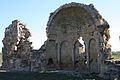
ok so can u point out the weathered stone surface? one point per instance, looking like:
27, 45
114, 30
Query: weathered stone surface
77, 39
66, 26
38, 59
17, 47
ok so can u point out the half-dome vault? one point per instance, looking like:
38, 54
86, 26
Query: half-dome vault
65, 27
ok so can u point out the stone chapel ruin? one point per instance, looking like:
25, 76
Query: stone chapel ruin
65, 27
77, 39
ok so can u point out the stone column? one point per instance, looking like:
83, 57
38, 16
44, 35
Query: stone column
73, 55
87, 53
58, 54
86, 42
101, 48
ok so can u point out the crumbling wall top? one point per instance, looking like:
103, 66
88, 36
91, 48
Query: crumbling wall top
89, 8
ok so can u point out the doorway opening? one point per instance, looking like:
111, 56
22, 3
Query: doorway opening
82, 43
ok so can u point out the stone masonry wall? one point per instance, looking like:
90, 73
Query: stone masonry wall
16, 47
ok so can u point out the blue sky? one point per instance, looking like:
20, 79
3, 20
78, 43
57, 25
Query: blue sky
35, 14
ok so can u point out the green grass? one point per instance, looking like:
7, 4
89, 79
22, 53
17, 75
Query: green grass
43, 76
35, 76
116, 56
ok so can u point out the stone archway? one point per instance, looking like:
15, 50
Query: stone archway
80, 57
68, 23
52, 50
93, 55
79, 48
65, 56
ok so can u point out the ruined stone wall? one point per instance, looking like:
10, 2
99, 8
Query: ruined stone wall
16, 46
65, 27
38, 59
18, 54
77, 38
